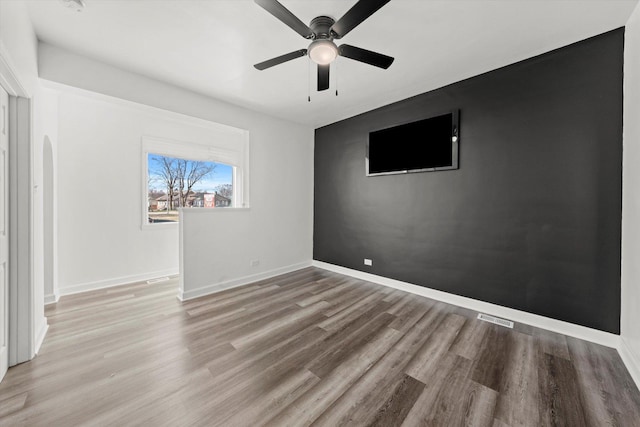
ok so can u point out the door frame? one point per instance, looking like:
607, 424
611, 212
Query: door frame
22, 346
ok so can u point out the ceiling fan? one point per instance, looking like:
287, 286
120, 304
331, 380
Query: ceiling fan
323, 30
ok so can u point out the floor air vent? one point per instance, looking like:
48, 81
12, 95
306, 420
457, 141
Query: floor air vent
496, 320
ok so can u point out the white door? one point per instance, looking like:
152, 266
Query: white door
4, 241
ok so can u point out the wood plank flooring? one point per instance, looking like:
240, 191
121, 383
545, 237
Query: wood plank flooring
310, 347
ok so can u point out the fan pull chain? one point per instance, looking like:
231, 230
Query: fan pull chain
309, 81
335, 72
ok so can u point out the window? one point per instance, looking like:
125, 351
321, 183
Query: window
173, 183
186, 175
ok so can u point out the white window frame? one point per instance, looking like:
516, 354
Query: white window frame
231, 149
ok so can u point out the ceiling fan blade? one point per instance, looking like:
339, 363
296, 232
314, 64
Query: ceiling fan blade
323, 77
285, 15
354, 16
366, 56
280, 59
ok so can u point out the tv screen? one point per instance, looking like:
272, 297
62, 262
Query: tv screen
429, 144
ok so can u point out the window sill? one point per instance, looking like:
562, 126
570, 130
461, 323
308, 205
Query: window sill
189, 211
212, 210
160, 226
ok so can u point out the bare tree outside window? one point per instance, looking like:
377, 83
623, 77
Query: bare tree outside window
165, 172
225, 189
190, 173
182, 183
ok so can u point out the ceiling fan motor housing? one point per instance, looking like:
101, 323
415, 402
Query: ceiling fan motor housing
321, 27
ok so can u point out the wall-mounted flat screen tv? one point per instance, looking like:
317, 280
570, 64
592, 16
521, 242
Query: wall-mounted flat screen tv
425, 145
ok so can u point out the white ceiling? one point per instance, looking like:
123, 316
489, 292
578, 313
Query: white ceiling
210, 46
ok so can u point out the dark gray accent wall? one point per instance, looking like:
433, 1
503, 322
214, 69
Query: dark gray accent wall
532, 218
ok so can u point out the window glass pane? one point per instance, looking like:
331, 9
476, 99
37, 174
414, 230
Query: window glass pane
175, 182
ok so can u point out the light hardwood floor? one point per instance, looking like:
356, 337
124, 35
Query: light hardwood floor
307, 348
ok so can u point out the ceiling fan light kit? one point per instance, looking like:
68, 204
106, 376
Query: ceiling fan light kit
323, 52
323, 30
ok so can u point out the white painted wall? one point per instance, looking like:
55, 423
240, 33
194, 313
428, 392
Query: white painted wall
99, 165
630, 315
101, 241
222, 248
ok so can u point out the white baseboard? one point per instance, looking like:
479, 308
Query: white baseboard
51, 298
566, 328
107, 283
234, 283
40, 337
631, 360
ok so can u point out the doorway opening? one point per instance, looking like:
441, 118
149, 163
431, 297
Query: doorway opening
48, 218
